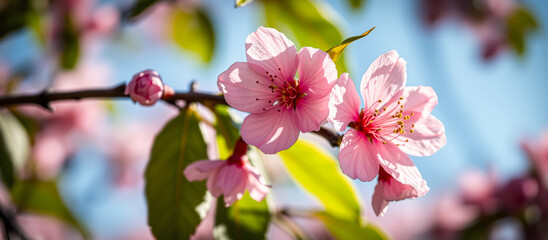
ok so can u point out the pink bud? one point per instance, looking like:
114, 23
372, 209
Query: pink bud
146, 87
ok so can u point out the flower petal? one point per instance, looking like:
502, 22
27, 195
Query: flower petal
310, 113
256, 186
379, 204
427, 138
202, 169
401, 168
269, 50
271, 131
419, 99
396, 191
385, 77
344, 103
317, 72
357, 156
244, 89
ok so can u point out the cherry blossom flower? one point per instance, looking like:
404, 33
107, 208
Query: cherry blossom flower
146, 88
538, 155
231, 177
389, 189
395, 121
266, 86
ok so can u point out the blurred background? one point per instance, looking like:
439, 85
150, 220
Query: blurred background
486, 60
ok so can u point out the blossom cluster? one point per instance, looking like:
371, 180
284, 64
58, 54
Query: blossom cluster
287, 92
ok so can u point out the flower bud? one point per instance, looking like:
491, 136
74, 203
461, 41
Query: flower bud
146, 87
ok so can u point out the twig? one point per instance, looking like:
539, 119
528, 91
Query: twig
44, 99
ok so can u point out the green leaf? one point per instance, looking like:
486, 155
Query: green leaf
310, 22
245, 219
344, 229
317, 172
227, 131
193, 31
14, 147
13, 15
140, 6
356, 4
171, 198
241, 3
70, 44
43, 197
336, 52
518, 24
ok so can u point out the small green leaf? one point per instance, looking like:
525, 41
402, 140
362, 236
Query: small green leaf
14, 147
518, 24
245, 219
336, 52
310, 22
193, 31
140, 6
317, 172
344, 229
70, 44
241, 3
356, 4
227, 131
172, 200
43, 197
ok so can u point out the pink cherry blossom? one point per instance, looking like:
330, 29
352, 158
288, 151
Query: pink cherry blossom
146, 87
231, 177
395, 121
266, 86
537, 152
389, 189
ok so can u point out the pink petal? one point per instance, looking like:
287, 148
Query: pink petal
229, 177
344, 103
385, 77
271, 131
256, 186
396, 191
419, 99
310, 113
401, 168
379, 204
357, 156
427, 138
269, 50
241, 90
317, 72
202, 169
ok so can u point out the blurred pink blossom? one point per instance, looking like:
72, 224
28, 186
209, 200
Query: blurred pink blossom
478, 189
537, 151
231, 178
266, 86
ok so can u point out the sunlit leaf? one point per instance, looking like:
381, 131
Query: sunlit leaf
519, 23
241, 3
42, 197
336, 52
14, 147
171, 198
309, 22
344, 229
193, 31
245, 219
140, 6
317, 172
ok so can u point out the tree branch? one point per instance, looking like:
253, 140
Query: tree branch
44, 99
11, 226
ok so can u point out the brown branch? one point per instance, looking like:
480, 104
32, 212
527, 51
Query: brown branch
44, 99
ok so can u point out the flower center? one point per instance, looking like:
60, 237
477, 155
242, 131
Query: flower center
385, 123
286, 93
